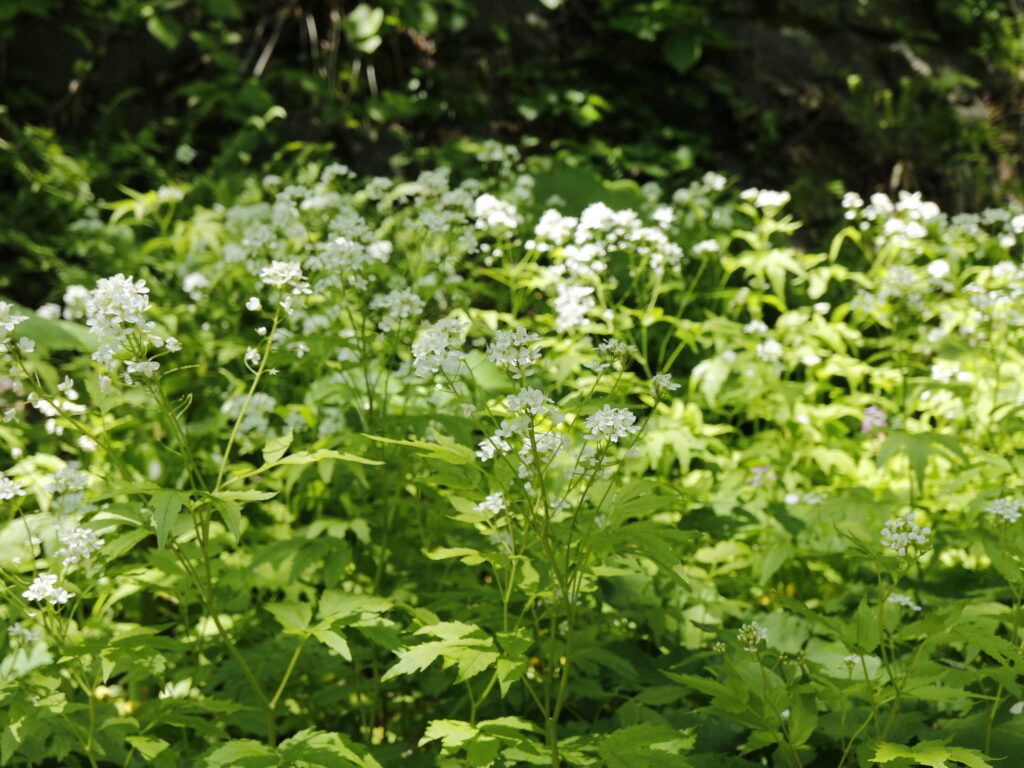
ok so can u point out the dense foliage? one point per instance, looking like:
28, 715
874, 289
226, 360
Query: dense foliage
338, 433
343, 471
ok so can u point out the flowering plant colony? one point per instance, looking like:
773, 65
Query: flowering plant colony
363, 472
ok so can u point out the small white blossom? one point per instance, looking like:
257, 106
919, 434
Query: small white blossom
79, 544
902, 532
44, 588
611, 423
253, 304
905, 600
494, 504
1007, 509
437, 348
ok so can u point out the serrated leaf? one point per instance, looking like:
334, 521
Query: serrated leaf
166, 506
240, 753
294, 617
934, 754
451, 733
334, 641
277, 447
148, 746
645, 746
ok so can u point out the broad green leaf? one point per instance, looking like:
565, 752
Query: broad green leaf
294, 617
277, 447
319, 749
148, 746
645, 746
451, 733
240, 753
682, 50
934, 754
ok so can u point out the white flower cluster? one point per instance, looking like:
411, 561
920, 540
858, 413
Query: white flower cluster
9, 320
765, 199
751, 636
439, 348
79, 544
493, 504
611, 424
661, 383
493, 214
9, 488
44, 588
68, 486
905, 600
901, 533
398, 305
116, 311
1006, 509
513, 351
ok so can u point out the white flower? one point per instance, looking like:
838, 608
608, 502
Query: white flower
611, 423
49, 311
26, 345
16, 630
661, 383
398, 305
79, 544
751, 635
572, 303
494, 503
285, 274
44, 587
1007, 509
769, 350
901, 532
252, 357
511, 350
146, 368
9, 319
706, 246
117, 305
938, 269
9, 489
492, 213
194, 283
905, 600
253, 304
437, 349
184, 154
528, 399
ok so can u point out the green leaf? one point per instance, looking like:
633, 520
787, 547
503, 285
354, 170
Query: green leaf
148, 746
319, 749
451, 733
166, 29
334, 641
229, 503
294, 617
463, 645
445, 449
933, 754
277, 447
336, 605
241, 753
803, 718
645, 746
166, 506
681, 50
